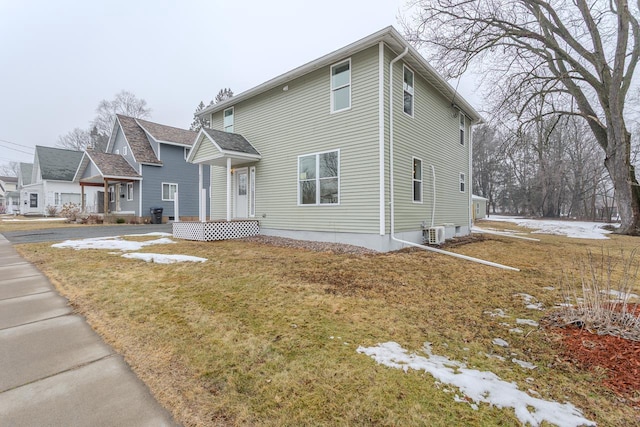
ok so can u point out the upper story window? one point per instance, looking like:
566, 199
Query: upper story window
187, 150
228, 120
417, 180
407, 86
319, 178
462, 182
462, 128
341, 86
125, 151
169, 191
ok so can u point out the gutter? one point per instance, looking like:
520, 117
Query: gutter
391, 190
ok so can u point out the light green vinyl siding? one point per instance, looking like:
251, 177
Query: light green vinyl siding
205, 151
283, 125
433, 135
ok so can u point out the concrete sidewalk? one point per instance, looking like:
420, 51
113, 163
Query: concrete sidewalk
54, 370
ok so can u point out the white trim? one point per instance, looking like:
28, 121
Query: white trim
252, 192
381, 134
187, 151
317, 179
228, 188
413, 180
413, 90
236, 173
333, 89
162, 190
233, 114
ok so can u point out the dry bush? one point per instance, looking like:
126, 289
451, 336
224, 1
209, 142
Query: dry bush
70, 211
52, 210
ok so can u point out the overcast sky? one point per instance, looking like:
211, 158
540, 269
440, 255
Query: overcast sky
59, 59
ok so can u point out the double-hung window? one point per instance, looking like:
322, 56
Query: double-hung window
408, 89
341, 86
129, 190
462, 128
169, 191
462, 182
417, 180
319, 178
228, 120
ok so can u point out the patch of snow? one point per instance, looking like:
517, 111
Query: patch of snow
163, 258
500, 342
506, 325
523, 364
516, 331
528, 322
498, 312
154, 233
530, 301
35, 220
573, 229
479, 386
549, 288
111, 243
621, 296
495, 356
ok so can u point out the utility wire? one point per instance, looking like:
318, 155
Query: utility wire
14, 143
15, 149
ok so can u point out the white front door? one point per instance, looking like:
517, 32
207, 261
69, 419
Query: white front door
242, 192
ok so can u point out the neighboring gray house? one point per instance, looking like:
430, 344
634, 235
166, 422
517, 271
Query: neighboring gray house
145, 167
320, 152
52, 180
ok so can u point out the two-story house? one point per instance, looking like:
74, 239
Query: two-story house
145, 167
367, 145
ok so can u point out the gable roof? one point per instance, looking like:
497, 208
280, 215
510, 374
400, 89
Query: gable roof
230, 141
164, 133
26, 170
9, 179
393, 39
58, 164
137, 139
112, 165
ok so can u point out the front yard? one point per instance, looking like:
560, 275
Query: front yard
267, 335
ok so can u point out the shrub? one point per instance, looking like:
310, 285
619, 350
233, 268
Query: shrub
52, 210
70, 211
601, 278
120, 221
94, 219
3, 209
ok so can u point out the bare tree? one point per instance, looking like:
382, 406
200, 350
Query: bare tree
199, 122
223, 95
573, 52
78, 139
124, 103
10, 169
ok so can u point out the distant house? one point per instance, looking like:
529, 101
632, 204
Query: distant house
51, 180
367, 145
479, 206
9, 196
145, 167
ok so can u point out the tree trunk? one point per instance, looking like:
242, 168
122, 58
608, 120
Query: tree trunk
625, 184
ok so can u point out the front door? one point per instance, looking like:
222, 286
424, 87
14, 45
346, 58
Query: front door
242, 187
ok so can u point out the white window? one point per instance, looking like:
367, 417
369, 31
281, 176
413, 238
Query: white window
417, 180
187, 150
130, 191
112, 194
228, 120
462, 182
341, 86
117, 151
252, 191
461, 128
56, 199
33, 200
407, 86
125, 151
319, 178
169, 190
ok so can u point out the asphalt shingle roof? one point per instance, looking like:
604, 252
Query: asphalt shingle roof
138, 141
231, 141
112, 165
26, 170
168, 133
57, 163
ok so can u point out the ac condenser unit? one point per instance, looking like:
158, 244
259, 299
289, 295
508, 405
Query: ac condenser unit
435, 235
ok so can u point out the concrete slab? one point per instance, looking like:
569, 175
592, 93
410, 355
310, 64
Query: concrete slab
103, 393
41, 349
11, 260
17, 270
31, 308
23, 286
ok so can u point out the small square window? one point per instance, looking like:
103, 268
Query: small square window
125, 151
169, 191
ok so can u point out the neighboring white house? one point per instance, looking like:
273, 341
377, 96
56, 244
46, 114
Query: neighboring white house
9, 196
479, 206
52, 180
367, 145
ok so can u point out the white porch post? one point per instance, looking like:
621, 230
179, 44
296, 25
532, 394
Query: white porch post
201, 213
228, 188
203, 205
176, 207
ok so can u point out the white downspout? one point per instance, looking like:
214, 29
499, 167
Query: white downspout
383, 228
433, 210
228, 188
391, 190
469, 185
200, 179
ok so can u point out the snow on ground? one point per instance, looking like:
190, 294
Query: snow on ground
479, 386
34, 220
112, 243
163, 258
116, 243
575, 229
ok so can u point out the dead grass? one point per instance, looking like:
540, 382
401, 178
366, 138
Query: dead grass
264, 335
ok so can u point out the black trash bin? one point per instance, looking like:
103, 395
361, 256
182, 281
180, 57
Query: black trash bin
156, 215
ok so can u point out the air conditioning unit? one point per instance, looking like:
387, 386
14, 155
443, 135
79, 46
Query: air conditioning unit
434, 235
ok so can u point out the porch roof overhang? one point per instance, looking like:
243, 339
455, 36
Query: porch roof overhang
213, 147
109, 167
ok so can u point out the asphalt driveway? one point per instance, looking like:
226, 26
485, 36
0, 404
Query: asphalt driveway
71, 233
